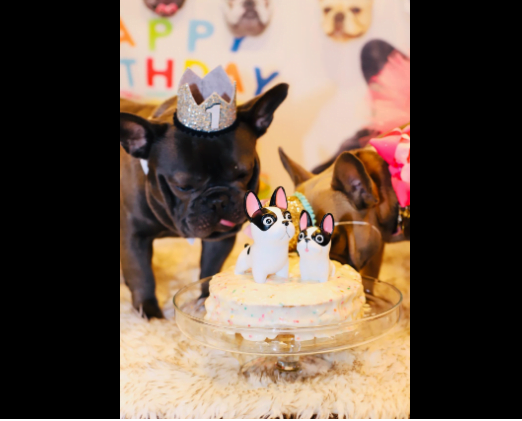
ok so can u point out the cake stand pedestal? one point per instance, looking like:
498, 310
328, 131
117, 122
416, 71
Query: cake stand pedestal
288, 364
289, 369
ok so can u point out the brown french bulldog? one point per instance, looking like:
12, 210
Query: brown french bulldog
194, 188
357, 187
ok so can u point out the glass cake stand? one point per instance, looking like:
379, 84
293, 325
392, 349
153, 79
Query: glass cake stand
291, 349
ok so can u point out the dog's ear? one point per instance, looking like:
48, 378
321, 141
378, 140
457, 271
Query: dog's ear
297, 173
252, 204
305, 221
279, 199
259, 112
169, 105
351, 178
137, 134
377, 168
327, 224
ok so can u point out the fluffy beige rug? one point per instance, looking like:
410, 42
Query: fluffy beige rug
162, 375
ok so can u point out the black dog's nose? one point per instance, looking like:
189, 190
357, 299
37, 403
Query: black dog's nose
286, 223
249, 4
219, 202
339, 17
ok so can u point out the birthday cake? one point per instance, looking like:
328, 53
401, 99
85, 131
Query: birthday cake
237, 300
268, 287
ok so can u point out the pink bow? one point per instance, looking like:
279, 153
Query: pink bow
394, 148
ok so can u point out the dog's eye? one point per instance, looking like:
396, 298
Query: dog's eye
288, 215
327, 10
268, 221
355, 10
242, 176
301, 236
185, 189
319, 239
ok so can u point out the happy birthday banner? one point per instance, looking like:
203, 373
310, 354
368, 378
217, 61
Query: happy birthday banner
160, 73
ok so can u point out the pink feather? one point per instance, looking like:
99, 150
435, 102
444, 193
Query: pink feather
390, 92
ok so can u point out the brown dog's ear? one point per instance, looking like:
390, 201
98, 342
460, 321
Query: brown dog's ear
351, 178
388, 207
137, 134
297, 173
259, 112
169, 105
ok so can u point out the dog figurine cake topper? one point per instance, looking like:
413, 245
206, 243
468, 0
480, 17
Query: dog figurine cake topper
313, 246
272, 229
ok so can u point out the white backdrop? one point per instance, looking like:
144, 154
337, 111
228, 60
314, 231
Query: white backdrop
328, 100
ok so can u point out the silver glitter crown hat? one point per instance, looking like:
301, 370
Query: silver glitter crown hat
208, 104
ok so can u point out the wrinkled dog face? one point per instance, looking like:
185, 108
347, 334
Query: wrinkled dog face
247, 17
197, 184
203, 181
164, 8
346, 19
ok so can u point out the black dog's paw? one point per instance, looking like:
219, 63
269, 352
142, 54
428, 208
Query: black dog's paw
151, 309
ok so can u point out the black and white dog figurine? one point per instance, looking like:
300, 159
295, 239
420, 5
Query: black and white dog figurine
272, 230
313, 246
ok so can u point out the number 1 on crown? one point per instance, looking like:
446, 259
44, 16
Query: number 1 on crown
215, 114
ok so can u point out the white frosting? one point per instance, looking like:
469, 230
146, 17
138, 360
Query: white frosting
236, 300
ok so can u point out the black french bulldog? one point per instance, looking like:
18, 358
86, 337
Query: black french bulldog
194, 188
